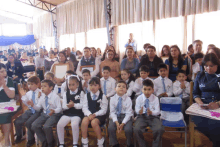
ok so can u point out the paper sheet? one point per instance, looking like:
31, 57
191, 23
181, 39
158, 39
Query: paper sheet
8, 104
61, 71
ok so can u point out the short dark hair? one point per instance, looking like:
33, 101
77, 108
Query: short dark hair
196, 41
50, 74
106, 68
190, 46
152, 47
34, 79
51, 52
87, 48
148, 83
49, 82
198, 55
70, 72
146, 45
161, 65
2, 66
95, 80
180, 71
86, 71
121, 81
144, 68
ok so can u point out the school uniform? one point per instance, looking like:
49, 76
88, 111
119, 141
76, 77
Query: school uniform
182, 93
195, 69
162, 85
29, 116
130, 85
143, 120
63, 88
73, 115
121, 111
86, 89
138, 85
44, 123
108, 86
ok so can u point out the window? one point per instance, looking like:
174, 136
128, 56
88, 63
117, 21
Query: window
14, 30
97, 38
80, 41
66, 41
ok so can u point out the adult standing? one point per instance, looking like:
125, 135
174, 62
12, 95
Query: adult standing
131, 42
39, 63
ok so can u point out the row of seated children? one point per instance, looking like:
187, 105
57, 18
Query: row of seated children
91, 108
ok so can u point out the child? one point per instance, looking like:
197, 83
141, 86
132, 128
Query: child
30, 115
50, 76
107, 82
128, 77
120, 114
198, 64
50, 103
72, 106
63, 86
148, 108
95, 106
181, 88
86, 79
163, 86
144, 72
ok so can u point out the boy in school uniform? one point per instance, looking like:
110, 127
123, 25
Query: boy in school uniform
198, 64
50, 103
148, 109
86, 78
163, 86
181, 88
50, 76
30, 115
120, 115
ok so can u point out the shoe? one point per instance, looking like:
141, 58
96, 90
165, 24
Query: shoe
61, 145
131, 145
18, 139
44, 144
117, 145
75, 145
30, 143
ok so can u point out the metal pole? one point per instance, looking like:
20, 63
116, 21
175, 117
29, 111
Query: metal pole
107, 21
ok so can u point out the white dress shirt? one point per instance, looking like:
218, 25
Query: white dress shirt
93, 74
158, 86
130, 88
195, 69
28, 96
103, 105
53, 101
63, 88
76, 105
154, 104
138, 85
83, 81
126, 108
110, 86
177, 91
56, 89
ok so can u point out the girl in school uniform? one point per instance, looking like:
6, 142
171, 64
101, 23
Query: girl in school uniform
95, 106
72, 106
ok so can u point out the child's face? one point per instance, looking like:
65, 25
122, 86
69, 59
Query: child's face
32, 86
199, 60
121, 89
181, 77
86, 76
94, 87
124, 75
87, 53
147, 90
48, 77
106, 74
162, 72
144, 74
45, 88
73, 85
3, 73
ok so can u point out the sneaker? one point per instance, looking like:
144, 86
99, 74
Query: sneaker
30, 143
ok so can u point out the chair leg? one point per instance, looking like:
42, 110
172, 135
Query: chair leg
185, 136
191, 131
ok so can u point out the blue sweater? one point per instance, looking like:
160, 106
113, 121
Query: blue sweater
136, 63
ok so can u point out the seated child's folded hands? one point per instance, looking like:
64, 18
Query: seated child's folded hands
70, 104
51, 112
149, 112
31, 103
141, 111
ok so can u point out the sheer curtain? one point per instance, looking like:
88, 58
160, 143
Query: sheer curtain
80, 41
66, 41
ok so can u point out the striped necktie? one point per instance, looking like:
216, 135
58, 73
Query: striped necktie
146, 105
47, 105
164, 87
119, 106
105, 90
33, 99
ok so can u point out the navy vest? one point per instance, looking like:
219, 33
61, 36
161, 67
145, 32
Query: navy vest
93, 105
73, 111
90, 62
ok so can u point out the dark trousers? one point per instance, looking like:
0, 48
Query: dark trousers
40, 74
154, 123
43, 127
208, 127
26, 118
112, 128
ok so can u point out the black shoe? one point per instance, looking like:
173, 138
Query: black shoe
44, 144
30, 143
18, 139
62, 145
75, 145
117, 145
131, 145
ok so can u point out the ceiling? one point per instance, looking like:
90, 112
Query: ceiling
54, 2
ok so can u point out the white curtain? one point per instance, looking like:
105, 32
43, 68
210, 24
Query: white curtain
131, 11
80, 16
66, 41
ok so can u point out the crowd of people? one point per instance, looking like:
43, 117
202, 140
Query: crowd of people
96, 87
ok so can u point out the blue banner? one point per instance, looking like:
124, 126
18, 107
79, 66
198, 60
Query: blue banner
22, 40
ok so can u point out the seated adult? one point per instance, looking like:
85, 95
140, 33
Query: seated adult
112, 63
7, 93
39, 63
62, 59
86, 60
151, 60
78, 55
190, 50
129, 62
214, 50
72, 58
110, 48
2, 57
175, 62
94, 54
131, 42
24, 57
11, 50
206, 90
197, 48
165, 52
48, 62
56, 52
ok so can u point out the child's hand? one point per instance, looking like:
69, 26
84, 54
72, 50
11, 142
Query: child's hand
121, 127
39, 94
31, 103
149, 112
141, 111
51, 112
117, 125
91, 117
70, 104
22, 91
85, 84
165, 95
182, 86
